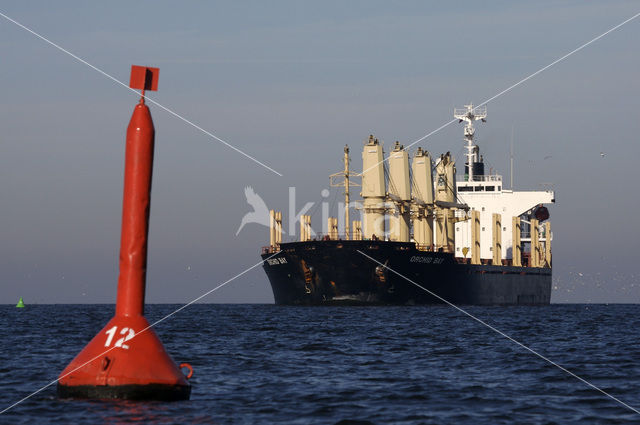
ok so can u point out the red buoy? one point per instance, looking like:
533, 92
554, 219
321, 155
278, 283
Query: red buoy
126, 359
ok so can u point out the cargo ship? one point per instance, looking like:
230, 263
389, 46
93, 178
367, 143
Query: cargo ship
423, 236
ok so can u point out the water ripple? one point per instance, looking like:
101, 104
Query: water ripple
342, 365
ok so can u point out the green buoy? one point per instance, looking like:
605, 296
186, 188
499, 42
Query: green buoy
20, 303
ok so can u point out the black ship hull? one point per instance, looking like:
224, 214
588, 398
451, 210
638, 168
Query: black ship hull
340, 272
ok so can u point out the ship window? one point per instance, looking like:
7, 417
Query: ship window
490, 188
465, 189
483, 229
479, 188
490, 248
499, 187
482, 208
504, 229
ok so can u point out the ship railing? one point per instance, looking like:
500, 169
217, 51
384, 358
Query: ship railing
435, 248
527, 238
270, 249
428, 248
334, 237
337, 237
484, 178
477, 111
443, 248
331, 237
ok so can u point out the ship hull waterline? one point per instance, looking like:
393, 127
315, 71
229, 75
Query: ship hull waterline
336, 272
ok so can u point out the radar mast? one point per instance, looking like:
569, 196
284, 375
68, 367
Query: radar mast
469, 114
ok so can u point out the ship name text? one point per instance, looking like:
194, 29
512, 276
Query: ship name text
426, 260
276, 261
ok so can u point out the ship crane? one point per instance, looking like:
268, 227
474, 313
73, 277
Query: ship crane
346, 182
469, 114
399, 194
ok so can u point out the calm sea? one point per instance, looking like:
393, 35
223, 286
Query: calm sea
288, 365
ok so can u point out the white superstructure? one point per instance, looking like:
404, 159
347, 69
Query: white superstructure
507, 203
485, 193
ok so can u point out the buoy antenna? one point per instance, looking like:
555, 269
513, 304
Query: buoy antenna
144, 78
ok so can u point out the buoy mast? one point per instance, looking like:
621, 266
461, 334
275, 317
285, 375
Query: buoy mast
126, 359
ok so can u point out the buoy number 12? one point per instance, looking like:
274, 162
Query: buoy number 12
127, 333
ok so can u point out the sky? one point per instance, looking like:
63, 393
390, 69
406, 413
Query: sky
290, 83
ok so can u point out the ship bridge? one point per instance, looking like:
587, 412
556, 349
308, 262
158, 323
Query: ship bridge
480, 183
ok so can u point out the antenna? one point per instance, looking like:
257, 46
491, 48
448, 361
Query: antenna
511, 157
144, 78
469, 114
